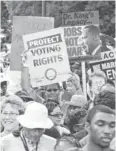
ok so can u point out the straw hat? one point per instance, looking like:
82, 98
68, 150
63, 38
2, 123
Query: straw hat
77, 100
36, 116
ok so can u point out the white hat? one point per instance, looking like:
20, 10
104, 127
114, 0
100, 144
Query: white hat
36, 116
77, 100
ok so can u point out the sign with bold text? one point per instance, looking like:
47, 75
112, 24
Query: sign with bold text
107, 64
47, 57
80, 18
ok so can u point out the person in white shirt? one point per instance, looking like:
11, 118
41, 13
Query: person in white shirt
31, 137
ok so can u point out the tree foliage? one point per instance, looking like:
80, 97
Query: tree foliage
107, 15
56, 8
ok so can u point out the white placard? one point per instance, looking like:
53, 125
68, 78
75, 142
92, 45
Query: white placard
47, 57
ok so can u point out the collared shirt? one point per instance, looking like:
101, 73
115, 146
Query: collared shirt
12, 143
31, 146
96, 50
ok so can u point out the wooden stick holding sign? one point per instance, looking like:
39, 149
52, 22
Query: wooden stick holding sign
84, 80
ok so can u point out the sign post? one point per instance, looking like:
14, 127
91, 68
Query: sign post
84, 80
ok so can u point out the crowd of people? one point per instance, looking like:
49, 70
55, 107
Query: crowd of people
58, 117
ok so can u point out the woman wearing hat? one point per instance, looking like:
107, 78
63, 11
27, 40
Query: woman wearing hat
31, 137
11, 107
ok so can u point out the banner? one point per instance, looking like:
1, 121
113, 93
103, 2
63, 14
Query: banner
107, 64
25, 25
80, 18
47, 57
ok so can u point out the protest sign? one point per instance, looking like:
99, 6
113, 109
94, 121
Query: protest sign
75, 44
107, 64
74, 41
25, 25
47, 57
80, 18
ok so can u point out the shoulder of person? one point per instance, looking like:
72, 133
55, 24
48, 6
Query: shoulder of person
80, 135
83, 141
8, 141
8, 137
52, 132
47, 143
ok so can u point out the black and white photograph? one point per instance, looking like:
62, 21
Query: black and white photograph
57, 75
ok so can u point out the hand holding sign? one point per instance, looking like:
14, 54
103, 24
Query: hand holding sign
74, 79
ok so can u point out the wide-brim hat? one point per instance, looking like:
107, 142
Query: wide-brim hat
77, 100
36, 116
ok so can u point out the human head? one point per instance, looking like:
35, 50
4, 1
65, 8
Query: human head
73, 84
105, 98
56, 115
51, 104
70, 88
65, 142
101, 125
91, 36
96, 81
77, 121
34, 134
11, 107
52, 92
77, 102
109, 86
34, 121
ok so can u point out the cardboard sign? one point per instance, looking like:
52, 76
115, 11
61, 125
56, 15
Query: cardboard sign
25, 25
75, 44
47, 57
74, 41
107, 64
80, 18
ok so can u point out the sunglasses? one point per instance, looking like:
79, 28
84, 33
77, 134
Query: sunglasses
50, 90
74, 107
57, 115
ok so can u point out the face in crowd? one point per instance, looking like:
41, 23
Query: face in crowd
102, 129
33, 135
80, 126
9, 114
91, 37
97, 83
52, 92
70, 87
72, 108
56, 116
